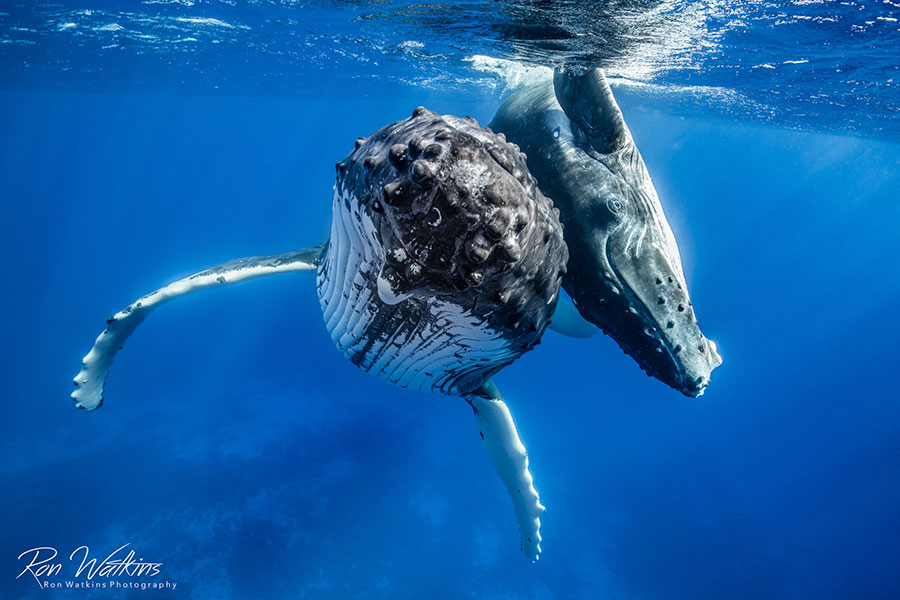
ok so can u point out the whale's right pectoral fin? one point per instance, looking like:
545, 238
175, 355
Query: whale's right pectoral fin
95, 366
510, 459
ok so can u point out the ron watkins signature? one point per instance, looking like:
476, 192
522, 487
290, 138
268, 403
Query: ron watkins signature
41, 564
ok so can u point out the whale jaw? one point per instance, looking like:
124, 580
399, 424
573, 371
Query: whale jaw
647, 310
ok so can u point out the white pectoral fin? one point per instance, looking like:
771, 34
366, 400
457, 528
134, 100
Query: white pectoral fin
510, 459
95, 366
568, 321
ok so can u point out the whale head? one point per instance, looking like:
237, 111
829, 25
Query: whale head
641, 299
625, 271
445, 260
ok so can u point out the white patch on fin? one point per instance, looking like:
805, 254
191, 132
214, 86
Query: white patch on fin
510, 459
95, 366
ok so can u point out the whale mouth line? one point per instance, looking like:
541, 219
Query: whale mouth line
635, 301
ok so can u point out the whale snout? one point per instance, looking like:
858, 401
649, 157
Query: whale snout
697, 370
659, 327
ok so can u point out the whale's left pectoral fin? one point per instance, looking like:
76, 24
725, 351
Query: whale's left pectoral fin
510, 459
95, 366
568, 321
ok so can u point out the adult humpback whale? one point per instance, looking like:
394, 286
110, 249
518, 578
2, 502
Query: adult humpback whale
624, 270
443, 266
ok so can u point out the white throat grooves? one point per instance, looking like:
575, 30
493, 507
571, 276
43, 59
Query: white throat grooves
345, 276
423, 344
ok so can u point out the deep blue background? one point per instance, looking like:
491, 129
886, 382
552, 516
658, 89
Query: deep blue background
240, 449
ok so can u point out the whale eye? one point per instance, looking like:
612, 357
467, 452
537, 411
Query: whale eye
614, 206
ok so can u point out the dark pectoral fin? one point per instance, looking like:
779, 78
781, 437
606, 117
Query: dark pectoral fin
588, 102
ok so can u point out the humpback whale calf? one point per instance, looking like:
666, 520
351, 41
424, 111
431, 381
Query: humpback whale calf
443, 266
624, 271
446, 259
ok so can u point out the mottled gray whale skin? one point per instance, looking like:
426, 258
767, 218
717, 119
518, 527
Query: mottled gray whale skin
624, 270
456, 254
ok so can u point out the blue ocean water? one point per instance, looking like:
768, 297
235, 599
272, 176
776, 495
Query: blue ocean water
241, 451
